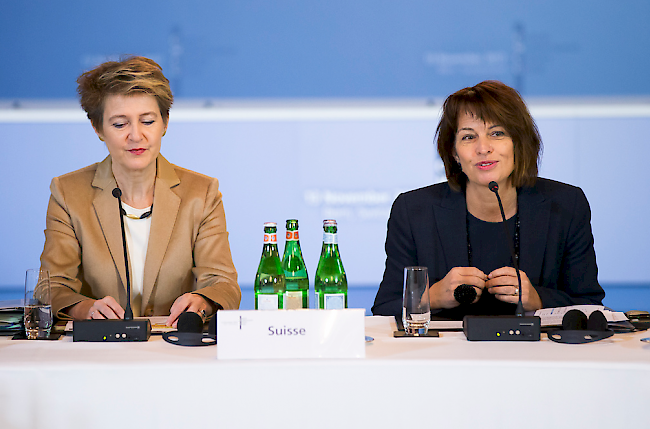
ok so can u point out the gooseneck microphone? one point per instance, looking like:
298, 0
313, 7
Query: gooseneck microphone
128, 312
114, 330
508, 327
494, 187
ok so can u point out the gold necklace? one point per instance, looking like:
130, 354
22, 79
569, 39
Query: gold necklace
142, 216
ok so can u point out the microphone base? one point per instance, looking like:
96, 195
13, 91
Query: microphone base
502, 328
111, 331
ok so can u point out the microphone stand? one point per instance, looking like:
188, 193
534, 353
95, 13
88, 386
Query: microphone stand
494, 187
128, 312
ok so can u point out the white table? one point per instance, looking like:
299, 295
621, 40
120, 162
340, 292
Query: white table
445, 382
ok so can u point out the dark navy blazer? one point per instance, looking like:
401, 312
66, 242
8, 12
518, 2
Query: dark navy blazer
427, 227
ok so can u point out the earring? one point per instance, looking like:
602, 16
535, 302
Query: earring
164, 132
101, 139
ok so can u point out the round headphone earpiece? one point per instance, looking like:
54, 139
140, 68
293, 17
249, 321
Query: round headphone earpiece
574, 320
189, 321
597, 321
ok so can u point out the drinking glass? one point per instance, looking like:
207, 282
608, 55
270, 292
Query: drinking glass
38, 304
416, 312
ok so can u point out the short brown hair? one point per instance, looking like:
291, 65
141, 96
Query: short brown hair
132, 75
497, 103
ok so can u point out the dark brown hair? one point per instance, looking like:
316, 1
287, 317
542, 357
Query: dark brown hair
129, 76
496, 103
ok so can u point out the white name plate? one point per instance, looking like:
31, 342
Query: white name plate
291, 334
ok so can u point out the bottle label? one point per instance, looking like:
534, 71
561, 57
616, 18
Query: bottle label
267, 302
292, 300
334, 301
292, 235
270, 238
330, 238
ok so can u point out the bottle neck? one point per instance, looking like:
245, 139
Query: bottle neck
330, 238
270, 244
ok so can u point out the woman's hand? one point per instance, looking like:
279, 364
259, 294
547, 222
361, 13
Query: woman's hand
105, 308
189, 302
441, 294
502, 283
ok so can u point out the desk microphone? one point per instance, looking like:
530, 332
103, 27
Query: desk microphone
504, 328
128, 312
494, 187
113, 330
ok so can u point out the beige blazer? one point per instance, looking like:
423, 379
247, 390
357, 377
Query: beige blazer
188, 244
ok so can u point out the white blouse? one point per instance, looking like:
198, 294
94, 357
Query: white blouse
137, 240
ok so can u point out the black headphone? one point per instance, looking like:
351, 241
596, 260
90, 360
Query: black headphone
190, 331
578, 329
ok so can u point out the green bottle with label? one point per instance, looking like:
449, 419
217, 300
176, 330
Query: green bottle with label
296, 280
330, 282
269, 281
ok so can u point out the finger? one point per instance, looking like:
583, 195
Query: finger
173, 317
473, 281
114, 306
501, 281
93, 313
501, 289
103, 309
503, 271
108, 313
511, 299
181, 304
172, 320
470, 272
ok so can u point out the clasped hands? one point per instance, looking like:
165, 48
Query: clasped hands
502, 283
109, 308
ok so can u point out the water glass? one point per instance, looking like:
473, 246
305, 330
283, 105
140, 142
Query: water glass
38, 304
416, 312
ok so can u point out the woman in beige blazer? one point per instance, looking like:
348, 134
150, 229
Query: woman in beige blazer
179, 255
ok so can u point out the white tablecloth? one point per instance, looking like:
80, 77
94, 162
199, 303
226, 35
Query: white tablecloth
445, 382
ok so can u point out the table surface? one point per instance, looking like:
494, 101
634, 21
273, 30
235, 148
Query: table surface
446, 380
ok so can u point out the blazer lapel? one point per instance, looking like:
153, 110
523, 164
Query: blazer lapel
108, 215
450, 216
535, 215
166, 204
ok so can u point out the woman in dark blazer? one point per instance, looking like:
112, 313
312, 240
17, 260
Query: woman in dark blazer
486, 134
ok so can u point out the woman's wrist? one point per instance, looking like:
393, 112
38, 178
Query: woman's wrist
79, 311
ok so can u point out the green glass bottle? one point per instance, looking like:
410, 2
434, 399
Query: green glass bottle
269, 281
330, 282
296, 293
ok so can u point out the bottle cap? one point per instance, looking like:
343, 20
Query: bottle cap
272, 224
329, 222
292, 220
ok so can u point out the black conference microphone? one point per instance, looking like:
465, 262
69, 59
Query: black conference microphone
112, 330
504, 328
494, 187
128, 313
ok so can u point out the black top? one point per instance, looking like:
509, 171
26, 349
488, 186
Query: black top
490, 251
428, 227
